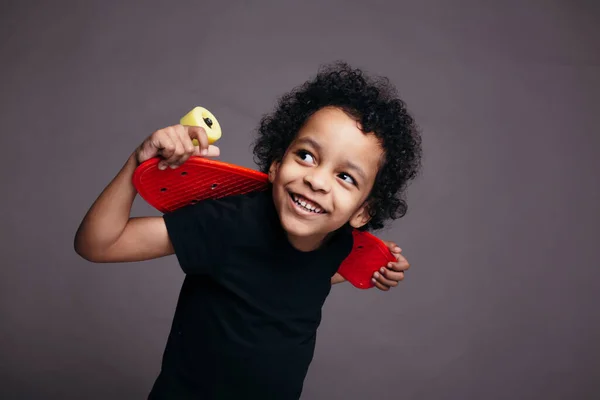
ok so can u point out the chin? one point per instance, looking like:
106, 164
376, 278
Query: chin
300, 223
309, 230
294, 227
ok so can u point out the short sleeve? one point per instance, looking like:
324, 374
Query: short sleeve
197, 233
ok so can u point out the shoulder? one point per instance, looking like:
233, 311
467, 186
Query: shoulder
203, 231
229, 206
241, 208
228, 217
340, 245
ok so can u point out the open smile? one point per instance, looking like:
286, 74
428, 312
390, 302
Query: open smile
305, 205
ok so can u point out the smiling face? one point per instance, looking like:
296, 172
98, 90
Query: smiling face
324, 178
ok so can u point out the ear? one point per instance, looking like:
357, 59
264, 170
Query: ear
273, 170
361, 217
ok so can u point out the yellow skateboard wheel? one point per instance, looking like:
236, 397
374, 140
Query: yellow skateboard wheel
200, 116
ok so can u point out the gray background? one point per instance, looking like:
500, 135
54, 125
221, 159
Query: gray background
502, 297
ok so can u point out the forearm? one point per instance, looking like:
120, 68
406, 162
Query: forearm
107, 218
337, 278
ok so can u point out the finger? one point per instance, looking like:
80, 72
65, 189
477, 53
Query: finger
179, 151
384, 281
396, 276
401, 265
186, 138
186, 142
379, 285
393, 247
397, 255
401, 258
198, 133
146, 150
213, 151
164, 145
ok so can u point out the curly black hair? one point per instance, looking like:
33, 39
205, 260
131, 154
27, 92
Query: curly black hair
371, 101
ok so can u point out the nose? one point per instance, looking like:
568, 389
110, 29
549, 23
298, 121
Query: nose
318, 180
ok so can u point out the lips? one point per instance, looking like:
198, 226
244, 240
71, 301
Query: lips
307, 204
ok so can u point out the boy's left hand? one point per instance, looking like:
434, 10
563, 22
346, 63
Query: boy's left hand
389, 276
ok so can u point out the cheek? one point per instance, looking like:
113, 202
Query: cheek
346, 201
289, 171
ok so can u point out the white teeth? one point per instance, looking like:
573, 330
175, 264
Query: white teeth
306, 205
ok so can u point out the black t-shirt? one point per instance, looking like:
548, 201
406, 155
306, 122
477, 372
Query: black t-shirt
250, 305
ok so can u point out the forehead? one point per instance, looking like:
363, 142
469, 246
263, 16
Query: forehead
339, 137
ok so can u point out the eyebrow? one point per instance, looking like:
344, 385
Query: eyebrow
359, 171
347, 163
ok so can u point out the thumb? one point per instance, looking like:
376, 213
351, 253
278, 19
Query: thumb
143, 154
146, 151
213, 151
393, 247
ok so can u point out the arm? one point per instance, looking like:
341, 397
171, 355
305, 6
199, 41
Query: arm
107, 232
337, 278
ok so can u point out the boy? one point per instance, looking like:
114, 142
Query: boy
339, 152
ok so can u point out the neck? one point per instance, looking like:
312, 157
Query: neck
307, 243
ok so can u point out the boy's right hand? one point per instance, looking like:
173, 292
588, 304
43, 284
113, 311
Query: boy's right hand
174, 144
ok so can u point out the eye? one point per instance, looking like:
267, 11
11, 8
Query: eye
347, 178
305, 156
